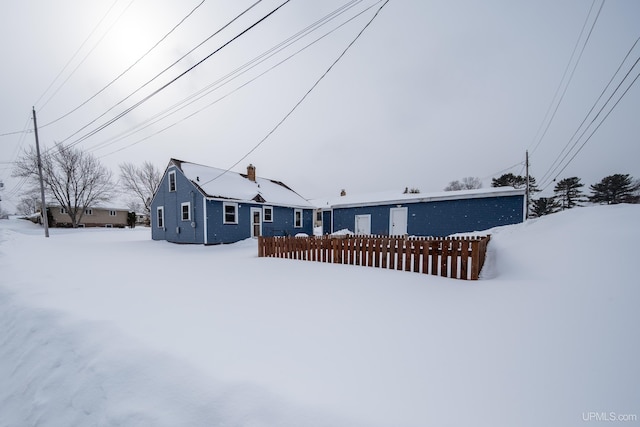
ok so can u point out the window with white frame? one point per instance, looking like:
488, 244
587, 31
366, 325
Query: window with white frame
172, 181
267, 214
88, 211
112, 213
230, 213
297, 218
63, 211
185, 209
160, 216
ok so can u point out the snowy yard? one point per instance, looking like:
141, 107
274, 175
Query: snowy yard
104, 327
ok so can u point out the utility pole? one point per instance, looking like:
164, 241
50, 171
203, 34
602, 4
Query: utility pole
43, 209
526, 211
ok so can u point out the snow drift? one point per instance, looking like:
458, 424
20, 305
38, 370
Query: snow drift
106, 327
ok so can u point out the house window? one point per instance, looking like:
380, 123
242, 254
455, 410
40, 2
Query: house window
319, 216
230, 212
160, 216
297, 218
172, 181
112, 213
63, 211
88, 211
185, 208
268, 214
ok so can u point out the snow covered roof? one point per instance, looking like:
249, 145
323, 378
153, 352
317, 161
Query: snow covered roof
216, 183
397, 197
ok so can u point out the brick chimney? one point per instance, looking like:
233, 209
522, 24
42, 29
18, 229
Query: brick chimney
343, 192
251, 172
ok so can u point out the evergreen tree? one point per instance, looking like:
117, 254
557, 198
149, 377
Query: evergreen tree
515, 181
544, 206
131, 219
509, 180
614, 189
568, 192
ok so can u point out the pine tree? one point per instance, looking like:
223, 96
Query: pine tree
568, 192
509, 180
544, 206
515, 181
614, 189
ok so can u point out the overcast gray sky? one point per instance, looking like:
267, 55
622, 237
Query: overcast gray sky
431, 92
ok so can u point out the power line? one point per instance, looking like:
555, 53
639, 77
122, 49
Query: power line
303, 97
129, 67
566, 86
601, 121
77, 51
117, 117
501, 171
558, 160
87, 55
200, 94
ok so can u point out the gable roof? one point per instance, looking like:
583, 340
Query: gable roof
218, 184
397, 197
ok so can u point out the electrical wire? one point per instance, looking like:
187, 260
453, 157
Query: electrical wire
566, 86
149, 82
601, 121
128, 68
557, 160
87, 55
200, 94
304, 97
95, 28
501, 171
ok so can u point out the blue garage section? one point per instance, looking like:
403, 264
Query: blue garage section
438, 214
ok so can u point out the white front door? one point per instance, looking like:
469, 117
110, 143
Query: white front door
256, 222
398, 221
363, 224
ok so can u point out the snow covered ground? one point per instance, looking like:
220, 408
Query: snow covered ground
108, 328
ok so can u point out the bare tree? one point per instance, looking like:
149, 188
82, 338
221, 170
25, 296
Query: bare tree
141, 181
467, 183
29, 204
74, 178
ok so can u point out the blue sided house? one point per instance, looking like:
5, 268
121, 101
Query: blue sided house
205, 205
436, 214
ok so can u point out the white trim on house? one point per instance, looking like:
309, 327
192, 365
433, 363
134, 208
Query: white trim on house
188, 212
160, 217
392, 231
206, 222
264, 213
394, 198
172, 181
359, 228
251, 223
295, 218
224, 212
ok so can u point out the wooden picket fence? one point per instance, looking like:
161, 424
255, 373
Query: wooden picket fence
454, 257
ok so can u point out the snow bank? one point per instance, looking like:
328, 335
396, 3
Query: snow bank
132, 332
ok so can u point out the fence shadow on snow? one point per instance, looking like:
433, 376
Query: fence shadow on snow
454, 257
